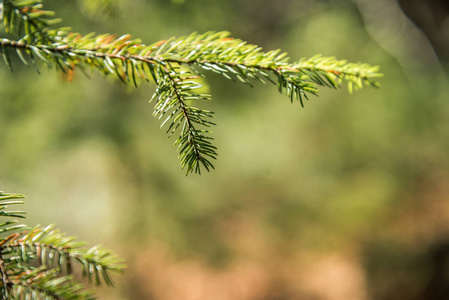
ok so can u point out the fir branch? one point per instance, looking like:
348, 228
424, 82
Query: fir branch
175, 88
173, 65
54, 250
226, 56
7, 199
33, 261
132, 61
27, 19
46, 284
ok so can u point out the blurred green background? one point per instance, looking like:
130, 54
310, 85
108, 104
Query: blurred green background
344, 199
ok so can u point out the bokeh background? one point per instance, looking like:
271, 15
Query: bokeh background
346, 199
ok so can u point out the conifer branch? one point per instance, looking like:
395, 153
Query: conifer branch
54, 250
175, 88
174, 65
34, 261
27, 19
44, 284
